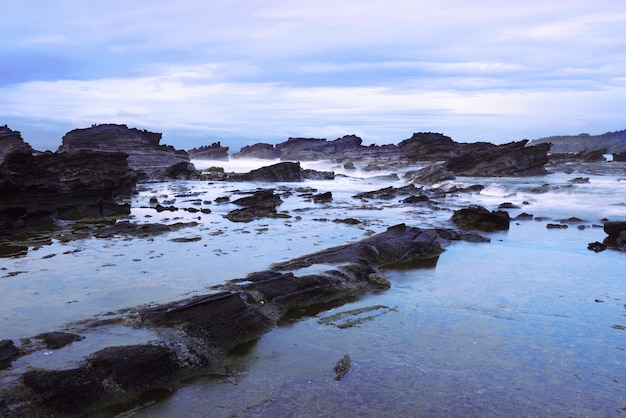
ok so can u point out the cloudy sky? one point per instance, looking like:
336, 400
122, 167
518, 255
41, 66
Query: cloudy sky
245, 71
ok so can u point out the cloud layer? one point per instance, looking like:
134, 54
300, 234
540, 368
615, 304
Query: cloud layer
248, 71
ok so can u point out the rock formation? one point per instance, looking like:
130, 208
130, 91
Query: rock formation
10, 142
194, 334
514, 159
477, 217
213, 152
37, 190
261, 150
145, 154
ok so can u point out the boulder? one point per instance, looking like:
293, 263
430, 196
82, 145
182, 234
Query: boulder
284, 171
431, 174
145, 154
215, 151
477, 217
261, 198
614, 228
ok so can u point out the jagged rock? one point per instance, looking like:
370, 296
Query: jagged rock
488, 160
261, 150
477, 217
38, 189
145, 154
429, 146
10, 142
611, 142
309, 149
252, 213
429, 175
215, 151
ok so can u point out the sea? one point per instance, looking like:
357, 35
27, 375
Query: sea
530, 324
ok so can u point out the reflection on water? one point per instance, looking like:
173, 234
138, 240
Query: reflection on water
527, 325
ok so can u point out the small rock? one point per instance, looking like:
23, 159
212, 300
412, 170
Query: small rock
342, 367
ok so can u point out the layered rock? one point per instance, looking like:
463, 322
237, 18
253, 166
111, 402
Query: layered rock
145, 154
193, 334
38, 190
261, 150
10, 142
514, 159
215, 151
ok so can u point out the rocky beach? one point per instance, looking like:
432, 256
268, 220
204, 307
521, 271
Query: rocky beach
310, 277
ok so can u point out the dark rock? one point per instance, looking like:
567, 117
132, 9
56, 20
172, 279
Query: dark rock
429, 175
66, 392
477, 217
215, 151
8, 353
347, 221
10, 142
181, 171
145, 154
621, 240
342, 367
556, 226
37, 190
489, 160
261, 198
56, 340
507, 205
285, 171
224, 319
614, 228
261, 151
323, 197
252, 213
579, 180
596, 246
349, 165
311, 174
429, 146
309, 149
126, 228
524, 217
388, 193
417, 199
398, 245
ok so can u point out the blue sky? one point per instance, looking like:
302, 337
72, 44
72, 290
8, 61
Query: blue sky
263, 70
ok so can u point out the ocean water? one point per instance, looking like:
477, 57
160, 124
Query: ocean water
530, 324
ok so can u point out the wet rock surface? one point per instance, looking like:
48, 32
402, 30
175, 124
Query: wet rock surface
195, 332
480, 218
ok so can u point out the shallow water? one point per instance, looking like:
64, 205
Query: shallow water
526, 325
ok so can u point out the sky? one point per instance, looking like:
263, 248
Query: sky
247, 71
